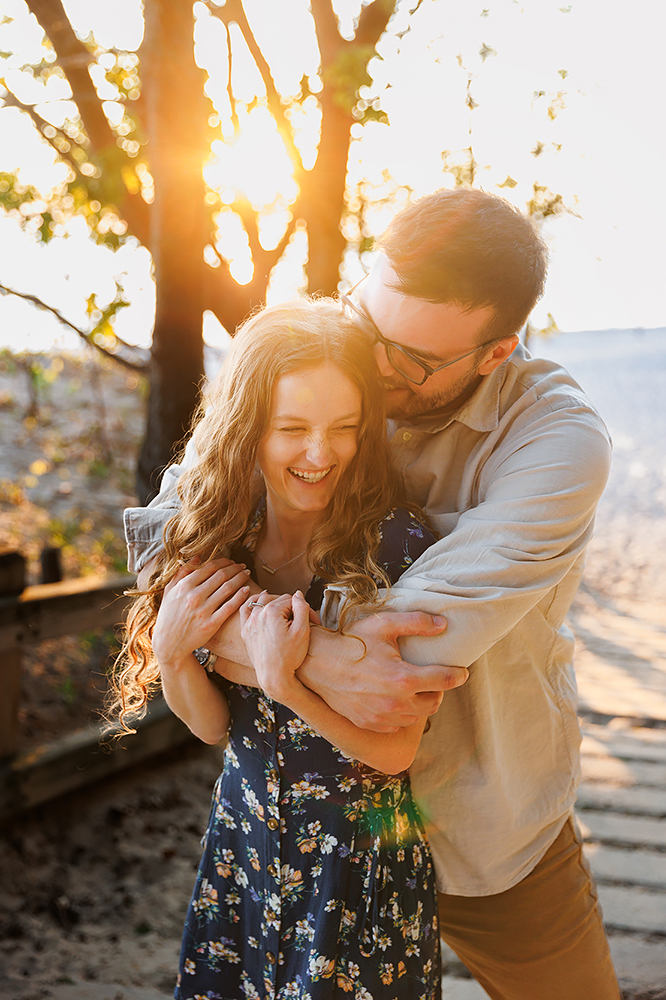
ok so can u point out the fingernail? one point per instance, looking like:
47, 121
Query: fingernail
247, 572
439, 620
245, 590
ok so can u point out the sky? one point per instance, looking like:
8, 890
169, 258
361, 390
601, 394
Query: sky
603, 151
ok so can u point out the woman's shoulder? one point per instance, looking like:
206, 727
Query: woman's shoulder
404, 536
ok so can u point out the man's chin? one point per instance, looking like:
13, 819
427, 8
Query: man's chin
399, 402
403, 403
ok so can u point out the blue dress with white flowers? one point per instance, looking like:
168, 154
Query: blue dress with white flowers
316, 880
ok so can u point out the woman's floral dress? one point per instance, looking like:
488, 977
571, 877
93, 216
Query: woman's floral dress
316, 880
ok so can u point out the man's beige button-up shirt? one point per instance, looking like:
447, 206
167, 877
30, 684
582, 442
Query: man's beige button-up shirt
511, 481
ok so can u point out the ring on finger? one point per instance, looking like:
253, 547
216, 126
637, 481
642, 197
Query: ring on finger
255, 604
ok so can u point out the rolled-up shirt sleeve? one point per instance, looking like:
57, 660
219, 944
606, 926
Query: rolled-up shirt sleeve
537, 494
144, 526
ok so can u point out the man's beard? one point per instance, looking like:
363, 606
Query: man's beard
401, 401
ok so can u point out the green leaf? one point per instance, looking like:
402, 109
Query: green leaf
46, 228
373, 114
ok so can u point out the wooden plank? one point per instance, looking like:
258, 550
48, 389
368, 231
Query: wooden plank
75, 761
635, 744
634, 801
608, 828
628, 773
48, 611
633, 909
10, 688
631, 867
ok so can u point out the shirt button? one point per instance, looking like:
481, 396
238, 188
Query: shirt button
269, 727
273, 775
270, 957
271, 869
406, 435
272, 823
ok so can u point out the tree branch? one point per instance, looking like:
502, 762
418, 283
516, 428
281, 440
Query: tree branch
141, 367
233, 11
12, 101
249, 219
326, 26
373, 21
277, 251
74, 58
230, 92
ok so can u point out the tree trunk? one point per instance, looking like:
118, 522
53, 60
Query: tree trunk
176, 111
323, 200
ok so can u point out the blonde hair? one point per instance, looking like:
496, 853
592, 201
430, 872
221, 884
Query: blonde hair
217, 494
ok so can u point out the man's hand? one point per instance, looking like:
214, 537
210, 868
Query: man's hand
379, 690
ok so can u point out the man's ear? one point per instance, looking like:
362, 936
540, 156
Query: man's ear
498, 354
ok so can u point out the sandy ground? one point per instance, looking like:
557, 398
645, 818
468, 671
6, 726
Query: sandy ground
94, 887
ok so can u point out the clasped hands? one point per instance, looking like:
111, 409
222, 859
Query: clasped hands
377, 690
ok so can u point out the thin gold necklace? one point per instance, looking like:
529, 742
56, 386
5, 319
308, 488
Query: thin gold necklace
273, 570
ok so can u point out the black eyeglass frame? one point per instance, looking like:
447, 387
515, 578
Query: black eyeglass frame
391, 346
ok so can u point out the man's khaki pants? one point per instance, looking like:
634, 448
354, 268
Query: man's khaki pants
541, 940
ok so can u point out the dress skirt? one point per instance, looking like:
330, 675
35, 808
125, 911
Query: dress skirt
316, 880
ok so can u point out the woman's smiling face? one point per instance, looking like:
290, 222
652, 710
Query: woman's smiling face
311, 437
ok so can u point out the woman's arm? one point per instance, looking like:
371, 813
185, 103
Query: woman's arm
276, 636
194, 606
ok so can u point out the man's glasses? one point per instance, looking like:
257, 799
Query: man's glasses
409, 365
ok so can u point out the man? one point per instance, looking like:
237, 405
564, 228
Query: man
508, 458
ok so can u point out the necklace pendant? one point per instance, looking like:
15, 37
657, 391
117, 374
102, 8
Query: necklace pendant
274, 569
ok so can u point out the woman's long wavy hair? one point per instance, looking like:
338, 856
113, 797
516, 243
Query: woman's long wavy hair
219, 492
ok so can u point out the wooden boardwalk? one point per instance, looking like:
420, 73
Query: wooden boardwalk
621, 668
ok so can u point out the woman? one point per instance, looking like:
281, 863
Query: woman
316, 878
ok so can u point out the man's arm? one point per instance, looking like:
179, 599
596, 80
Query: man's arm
144, 526
375, 690
537, 501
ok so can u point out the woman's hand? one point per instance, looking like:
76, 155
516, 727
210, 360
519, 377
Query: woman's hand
276, 635
195, 604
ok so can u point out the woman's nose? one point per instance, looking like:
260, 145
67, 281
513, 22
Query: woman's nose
319, 451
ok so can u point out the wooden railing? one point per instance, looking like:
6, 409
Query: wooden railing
48, 611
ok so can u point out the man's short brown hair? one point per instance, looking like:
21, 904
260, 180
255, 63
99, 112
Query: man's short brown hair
471, 248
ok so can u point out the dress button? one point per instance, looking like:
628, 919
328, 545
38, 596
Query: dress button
270, 957
406, 435
273, 775
269, 727
272, 823
272, 870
